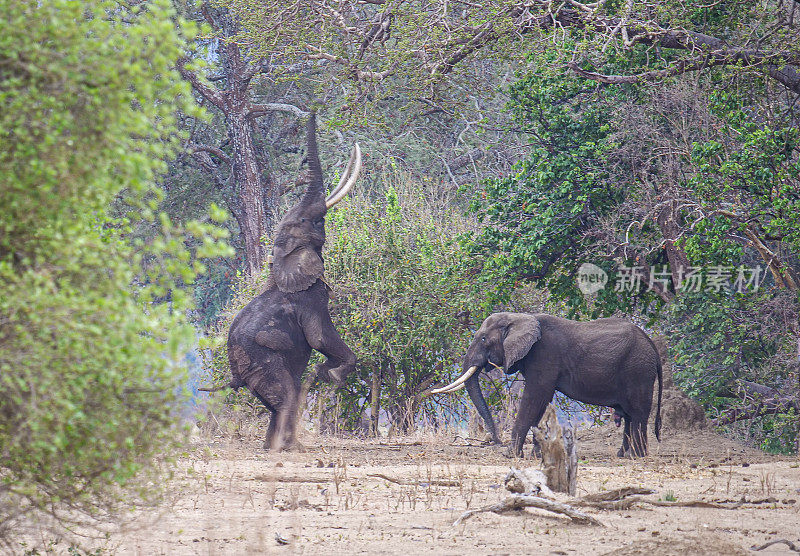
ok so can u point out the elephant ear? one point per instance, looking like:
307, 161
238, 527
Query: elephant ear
523, 331
296, 270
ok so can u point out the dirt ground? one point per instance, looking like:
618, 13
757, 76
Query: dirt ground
401, 496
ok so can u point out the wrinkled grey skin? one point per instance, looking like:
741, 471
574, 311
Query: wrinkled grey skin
608, 362
270, 340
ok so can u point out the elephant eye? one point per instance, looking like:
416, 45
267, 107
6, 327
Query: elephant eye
302, 220
483, 339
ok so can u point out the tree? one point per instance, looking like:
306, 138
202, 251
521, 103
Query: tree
251, 192
252, 70
402, 298
94, 322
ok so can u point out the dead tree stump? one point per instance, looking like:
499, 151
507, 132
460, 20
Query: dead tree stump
559, 456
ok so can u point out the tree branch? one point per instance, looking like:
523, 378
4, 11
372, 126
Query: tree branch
711, 51
212, 95
206, 11
261, 109
771, 406
216, 151
361, 75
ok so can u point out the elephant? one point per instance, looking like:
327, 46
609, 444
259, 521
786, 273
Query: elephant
270, 340
609, 362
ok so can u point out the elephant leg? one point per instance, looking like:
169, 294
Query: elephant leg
284, 439
322, 335
277, 389
286, 429
536, 449
625, 437
531, 408
273, 420
639, 437
273, 426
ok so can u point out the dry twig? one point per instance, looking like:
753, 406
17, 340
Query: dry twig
434, 482
789, 544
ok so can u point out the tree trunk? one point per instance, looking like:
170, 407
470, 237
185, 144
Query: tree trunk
670, 226
797, 439
247, 172
560, 461
374, 403
249, 183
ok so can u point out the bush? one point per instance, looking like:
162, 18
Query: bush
399, 282
93, 324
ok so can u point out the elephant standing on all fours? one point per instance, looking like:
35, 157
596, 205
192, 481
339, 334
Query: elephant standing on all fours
609, 362
270, 340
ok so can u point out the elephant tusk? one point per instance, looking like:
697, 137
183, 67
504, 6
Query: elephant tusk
448, 389
452, 387
352, 176
344, 177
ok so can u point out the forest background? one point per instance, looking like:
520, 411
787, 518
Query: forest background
506, 145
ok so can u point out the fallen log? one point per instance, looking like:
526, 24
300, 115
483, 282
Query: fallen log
616, 494
789, 544
520, 501
292, 479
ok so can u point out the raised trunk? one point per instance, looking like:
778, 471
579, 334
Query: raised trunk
475, 394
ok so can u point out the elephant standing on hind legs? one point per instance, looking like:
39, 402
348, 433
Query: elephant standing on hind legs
270, 340
608, 362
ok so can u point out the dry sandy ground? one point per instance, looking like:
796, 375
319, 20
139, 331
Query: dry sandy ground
336, 499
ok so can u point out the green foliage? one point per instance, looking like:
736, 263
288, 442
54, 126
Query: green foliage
94, 323
535, 220
754, 168
778, 433
716, 339
399, 284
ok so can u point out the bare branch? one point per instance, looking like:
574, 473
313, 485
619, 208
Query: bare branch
206, 11
771, 406
254, 68
261, 109
361, 75
519, 501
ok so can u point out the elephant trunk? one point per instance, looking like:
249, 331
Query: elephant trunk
475, 394
314, 192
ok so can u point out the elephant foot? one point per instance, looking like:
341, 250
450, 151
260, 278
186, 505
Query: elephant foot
510, 453
293, 446
333, 376
621, 453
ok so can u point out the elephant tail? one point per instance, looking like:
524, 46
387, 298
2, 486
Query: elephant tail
234, 383
658, 407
